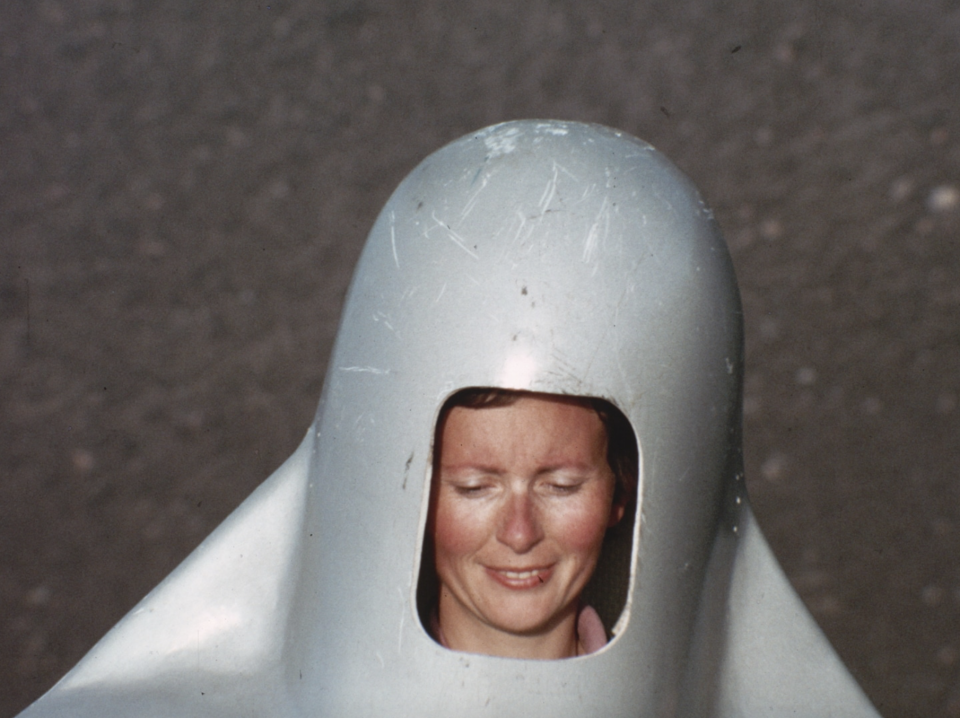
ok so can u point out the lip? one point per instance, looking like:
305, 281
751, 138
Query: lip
521, 579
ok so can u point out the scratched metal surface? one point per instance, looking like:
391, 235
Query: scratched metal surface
534, 255
184, 189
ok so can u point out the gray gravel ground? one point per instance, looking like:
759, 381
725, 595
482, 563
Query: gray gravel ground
185, 186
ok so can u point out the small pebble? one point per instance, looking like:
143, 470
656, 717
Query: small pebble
944, 198
924, 226
278, 188
942, 527
901, 189
939, 136
237, 137
375, 93
947, 656
763, 137
826, 606
38, 596
152, 248
932, 595
57, 192
769, 328
154, 202
785, 53
83, 460
751, 405
281, 27
946, 403
772, 469
771, 229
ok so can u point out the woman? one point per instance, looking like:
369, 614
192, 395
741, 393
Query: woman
525, 488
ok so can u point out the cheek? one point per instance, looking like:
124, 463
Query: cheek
581, 530
457, 529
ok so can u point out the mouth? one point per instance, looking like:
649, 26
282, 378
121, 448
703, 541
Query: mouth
521, 579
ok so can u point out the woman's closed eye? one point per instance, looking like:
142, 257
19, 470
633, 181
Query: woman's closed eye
564, 485
470, 487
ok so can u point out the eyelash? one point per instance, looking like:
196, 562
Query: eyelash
564, 489
469, 490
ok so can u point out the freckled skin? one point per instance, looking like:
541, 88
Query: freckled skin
521, 505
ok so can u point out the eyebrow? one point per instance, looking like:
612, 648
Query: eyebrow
575, 466
473, 467
490, 469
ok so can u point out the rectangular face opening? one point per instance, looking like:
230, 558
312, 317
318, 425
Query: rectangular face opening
528, 541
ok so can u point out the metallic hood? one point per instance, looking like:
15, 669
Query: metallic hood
546, 256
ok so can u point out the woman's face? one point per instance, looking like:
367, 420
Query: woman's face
523, 500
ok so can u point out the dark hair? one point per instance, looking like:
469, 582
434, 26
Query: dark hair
622, 455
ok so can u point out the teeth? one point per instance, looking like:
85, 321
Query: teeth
520, 575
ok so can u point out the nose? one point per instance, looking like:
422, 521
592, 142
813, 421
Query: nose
519, 526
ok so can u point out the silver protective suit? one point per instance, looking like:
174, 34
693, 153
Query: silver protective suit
546, 256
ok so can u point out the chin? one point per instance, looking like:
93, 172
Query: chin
528, 620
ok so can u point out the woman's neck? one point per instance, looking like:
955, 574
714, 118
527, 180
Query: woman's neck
460, 630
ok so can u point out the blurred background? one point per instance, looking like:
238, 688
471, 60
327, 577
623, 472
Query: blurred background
185, 187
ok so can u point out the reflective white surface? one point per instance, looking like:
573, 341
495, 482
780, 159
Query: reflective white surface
547, 256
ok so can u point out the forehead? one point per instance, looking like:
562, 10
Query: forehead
530, 425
